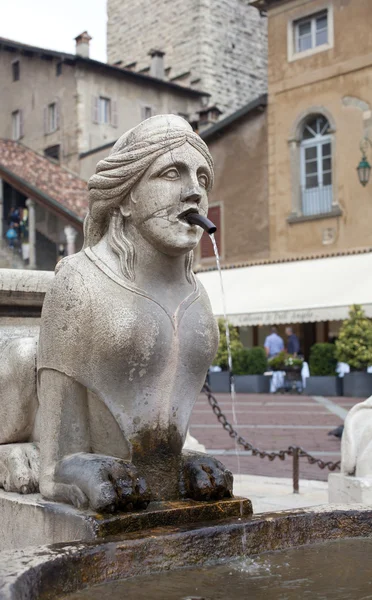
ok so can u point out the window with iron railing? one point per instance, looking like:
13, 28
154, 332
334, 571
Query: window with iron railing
316, 167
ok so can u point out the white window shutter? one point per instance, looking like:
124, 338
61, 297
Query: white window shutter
21, 129
95, 109
114, 113
46, 120
57, 113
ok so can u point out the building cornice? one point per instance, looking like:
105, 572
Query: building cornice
74, 59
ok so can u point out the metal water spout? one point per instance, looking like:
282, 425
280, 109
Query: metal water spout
194, 218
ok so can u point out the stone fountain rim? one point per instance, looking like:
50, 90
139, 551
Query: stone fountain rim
46, 572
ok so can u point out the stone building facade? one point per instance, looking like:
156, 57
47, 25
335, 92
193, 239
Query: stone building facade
64, 105
219, 46
320, 102
238, 202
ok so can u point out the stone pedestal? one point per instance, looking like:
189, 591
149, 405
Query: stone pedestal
347, 489
28, 520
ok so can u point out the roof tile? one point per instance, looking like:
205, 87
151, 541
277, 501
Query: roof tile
62, 186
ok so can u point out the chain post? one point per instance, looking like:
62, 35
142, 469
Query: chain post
295, 451
296, 470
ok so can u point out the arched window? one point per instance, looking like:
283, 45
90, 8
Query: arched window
316, 166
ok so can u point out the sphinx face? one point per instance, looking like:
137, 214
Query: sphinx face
175, 184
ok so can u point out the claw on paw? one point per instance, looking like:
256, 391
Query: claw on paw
205, 478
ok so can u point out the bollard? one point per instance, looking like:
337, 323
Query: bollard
296, 470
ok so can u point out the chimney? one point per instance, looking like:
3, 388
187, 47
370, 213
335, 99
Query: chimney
208, 116
82, 44
157, 64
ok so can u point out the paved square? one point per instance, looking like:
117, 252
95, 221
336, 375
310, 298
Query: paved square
273, 422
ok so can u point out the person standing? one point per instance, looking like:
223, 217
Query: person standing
273, 343
293, 343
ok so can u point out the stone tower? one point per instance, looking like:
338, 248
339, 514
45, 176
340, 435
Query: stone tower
218, 46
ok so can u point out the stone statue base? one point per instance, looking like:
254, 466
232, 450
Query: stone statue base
347, 489
28, 520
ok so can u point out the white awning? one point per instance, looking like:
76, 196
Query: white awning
293, 292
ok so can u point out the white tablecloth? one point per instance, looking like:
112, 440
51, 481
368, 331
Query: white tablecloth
277, 379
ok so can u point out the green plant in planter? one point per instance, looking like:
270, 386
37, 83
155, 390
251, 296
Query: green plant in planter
276, 363
354, 344
323, 359
284, 361
237, 349
254, 361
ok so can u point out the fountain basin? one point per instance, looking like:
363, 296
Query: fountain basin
51, 572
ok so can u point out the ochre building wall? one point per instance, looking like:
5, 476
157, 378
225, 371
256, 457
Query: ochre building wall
338, 83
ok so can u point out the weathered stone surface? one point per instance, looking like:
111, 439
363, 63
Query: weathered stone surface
220, 45
48, 572
356, 441
29, 520
348, 489
127, 335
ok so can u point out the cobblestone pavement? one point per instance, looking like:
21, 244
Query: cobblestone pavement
273, 422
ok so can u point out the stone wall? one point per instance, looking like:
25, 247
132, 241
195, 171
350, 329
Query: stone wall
37, 87
240, 190
219, 46
130, 96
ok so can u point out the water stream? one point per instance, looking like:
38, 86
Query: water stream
230, 363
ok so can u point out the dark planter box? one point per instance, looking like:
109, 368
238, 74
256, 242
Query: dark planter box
252, 384
324, 385
358, 384
219, 382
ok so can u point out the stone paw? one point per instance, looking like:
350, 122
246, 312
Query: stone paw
104, 483
19, 468
205, 478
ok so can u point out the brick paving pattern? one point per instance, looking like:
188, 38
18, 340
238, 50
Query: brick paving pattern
271, 422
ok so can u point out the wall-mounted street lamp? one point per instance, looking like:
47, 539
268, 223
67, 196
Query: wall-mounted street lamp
364, 168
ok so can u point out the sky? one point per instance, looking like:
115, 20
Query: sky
54, 25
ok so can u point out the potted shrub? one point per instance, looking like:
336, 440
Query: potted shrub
354, 347
322, 364
250, 378
285, 362
220, 382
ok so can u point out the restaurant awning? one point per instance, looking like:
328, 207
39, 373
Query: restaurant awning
299, 291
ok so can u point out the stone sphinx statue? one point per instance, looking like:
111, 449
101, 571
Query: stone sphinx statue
126, 337
356, 441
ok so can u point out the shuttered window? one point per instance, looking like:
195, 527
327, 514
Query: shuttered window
51, 117
206, 248
104, 111
17, 124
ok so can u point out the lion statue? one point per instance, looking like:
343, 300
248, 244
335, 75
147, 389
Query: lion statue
95, 412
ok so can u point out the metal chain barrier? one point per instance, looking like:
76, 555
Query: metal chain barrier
295, 451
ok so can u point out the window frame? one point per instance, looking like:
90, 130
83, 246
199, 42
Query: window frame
295, 140
292, 33
104, 101
17, 133
52, 117
16, 70
146, 108
317, 141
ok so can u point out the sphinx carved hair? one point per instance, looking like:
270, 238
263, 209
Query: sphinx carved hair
117, 174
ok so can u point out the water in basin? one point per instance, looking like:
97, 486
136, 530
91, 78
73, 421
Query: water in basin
332, 570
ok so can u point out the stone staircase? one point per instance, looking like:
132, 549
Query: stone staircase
10, 259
